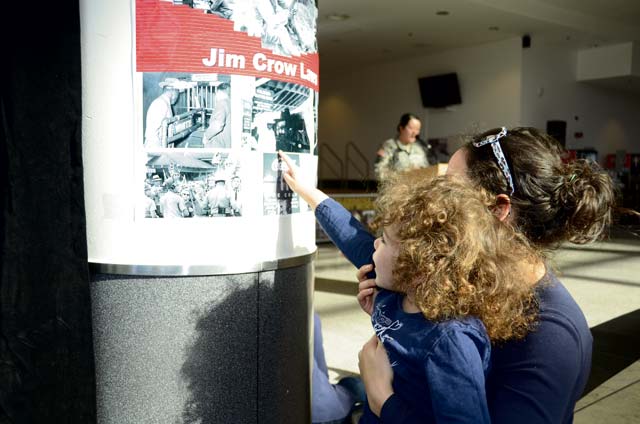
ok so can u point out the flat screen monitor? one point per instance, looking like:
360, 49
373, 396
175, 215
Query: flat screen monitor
440, 90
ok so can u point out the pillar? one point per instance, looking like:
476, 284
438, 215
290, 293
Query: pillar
200, 255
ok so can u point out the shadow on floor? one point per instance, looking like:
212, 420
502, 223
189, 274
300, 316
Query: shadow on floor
616, 345
336, 286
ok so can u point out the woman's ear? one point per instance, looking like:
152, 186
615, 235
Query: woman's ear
503, 207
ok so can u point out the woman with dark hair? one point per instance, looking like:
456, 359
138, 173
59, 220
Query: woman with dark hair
404, 151
539, 378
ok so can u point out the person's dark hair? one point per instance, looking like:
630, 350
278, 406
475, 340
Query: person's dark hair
404, 120
553, 201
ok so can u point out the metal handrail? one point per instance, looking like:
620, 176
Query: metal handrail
352, 147
321, 159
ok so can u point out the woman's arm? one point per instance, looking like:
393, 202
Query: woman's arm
376, 373
383, 160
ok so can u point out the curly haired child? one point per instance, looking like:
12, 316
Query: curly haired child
449, 274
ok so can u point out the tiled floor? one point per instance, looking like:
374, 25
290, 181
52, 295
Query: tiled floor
604, 278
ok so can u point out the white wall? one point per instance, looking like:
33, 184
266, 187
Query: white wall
362, 105
490, 81
501, 84
608, 118
604, 62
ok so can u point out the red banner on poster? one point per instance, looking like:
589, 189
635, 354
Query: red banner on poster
178, 38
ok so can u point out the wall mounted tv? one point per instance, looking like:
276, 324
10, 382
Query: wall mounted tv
440, 90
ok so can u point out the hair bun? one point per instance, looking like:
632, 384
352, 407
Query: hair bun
587, 197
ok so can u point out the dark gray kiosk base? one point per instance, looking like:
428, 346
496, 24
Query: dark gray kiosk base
203, 349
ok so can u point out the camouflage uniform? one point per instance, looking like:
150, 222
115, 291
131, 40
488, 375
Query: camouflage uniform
400, 157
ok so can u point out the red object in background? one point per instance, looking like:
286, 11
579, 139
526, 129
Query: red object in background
569, 155
573, 154
634, 164
610, 162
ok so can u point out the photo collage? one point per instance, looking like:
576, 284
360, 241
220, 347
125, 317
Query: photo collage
202, 151
242, 86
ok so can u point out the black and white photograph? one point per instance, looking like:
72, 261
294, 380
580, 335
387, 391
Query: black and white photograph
278, 198
281, 116
186, 110
222, 8
181, 184
286, 27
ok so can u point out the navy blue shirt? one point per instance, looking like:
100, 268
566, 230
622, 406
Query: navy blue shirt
535, 380
438, 368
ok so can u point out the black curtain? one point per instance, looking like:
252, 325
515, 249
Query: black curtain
46, 353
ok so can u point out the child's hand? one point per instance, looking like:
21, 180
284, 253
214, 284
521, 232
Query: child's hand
290, 175
376, 373
308, 192
366, 288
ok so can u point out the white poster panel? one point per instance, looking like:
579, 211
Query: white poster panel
185, 107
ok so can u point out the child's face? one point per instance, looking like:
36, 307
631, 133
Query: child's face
387, 247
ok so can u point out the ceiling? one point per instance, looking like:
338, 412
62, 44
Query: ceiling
379, 31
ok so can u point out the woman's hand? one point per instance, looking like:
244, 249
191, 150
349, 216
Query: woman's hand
366, 288
376, 374
308, 192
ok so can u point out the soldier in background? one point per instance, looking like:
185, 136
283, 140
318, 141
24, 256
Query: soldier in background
403, 152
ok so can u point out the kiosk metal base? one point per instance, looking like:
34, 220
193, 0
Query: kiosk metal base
203, 349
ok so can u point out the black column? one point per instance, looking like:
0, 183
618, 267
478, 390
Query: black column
46, 355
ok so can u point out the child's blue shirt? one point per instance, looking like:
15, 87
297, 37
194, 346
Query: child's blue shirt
439, 367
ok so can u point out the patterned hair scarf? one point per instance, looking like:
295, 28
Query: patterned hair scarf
494, 140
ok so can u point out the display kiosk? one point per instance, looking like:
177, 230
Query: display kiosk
201, 256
